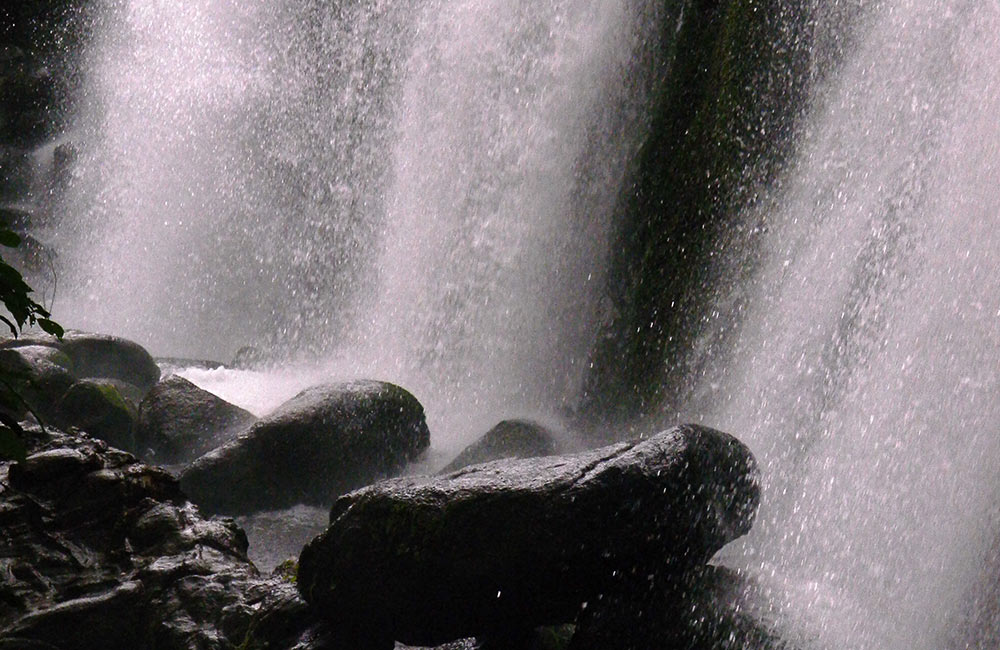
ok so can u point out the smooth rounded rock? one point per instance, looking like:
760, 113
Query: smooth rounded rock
38, 375
325, 441
508, 439
99, 356
521, 543
179, 422
99, 409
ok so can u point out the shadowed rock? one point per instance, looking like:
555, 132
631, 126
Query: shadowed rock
325, 441
179, 422
99, 408
709, 608
101, 552
515, 544
99, 356
508, 439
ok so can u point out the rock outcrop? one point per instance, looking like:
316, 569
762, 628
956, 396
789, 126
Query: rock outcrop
508, 439
99, 551
178, 422
327, 440
515, 544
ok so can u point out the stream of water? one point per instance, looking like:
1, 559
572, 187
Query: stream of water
424, 194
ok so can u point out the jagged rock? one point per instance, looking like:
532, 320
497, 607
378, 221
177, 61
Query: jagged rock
179, 422
508, 439
99, 356
99, 551
709, 608
325, 441
99, 409
516, 544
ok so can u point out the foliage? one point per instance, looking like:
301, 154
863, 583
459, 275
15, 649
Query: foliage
22, 311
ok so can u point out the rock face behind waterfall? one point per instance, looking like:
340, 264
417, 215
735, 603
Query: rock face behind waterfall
325, 441
513, 544
101, 552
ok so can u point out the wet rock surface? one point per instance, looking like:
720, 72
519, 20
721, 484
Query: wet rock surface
98, 356
508, 439
179, 422
100, 409
515, 544
98, 550
709, 608
325, 441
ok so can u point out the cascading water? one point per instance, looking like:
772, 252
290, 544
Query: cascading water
419, 194
864, 375
423, 194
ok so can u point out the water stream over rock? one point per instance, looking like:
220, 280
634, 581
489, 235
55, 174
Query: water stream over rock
426, 193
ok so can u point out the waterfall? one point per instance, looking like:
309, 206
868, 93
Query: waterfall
863, 374
418, 192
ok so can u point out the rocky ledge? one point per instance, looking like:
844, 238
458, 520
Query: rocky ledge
100, 551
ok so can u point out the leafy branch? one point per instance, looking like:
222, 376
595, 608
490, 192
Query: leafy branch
22, 311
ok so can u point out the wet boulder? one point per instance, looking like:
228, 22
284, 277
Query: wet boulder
516, 544
508, 439
99, 409
99, 551
179, 422
100, 356
708, 608
327, 440
38, 375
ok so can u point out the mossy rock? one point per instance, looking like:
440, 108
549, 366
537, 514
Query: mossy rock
38, 377
723, 116
99, 409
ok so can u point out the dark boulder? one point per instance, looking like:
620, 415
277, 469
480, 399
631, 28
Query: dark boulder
508, 439
99, 356
325, 441
99, 409
39, 376
515, 544
709, 608
179, 422
99, 551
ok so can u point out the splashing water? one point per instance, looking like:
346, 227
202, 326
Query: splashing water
417, 193
864, 375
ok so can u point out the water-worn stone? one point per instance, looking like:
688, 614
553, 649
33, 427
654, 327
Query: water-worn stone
179, 422
515, 544
99, 409
508, 439
39, 375
99, 551
325, 441
99, 356
709, 608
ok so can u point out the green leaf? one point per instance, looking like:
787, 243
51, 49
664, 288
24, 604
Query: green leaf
51, 327
11, 446
9, 239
